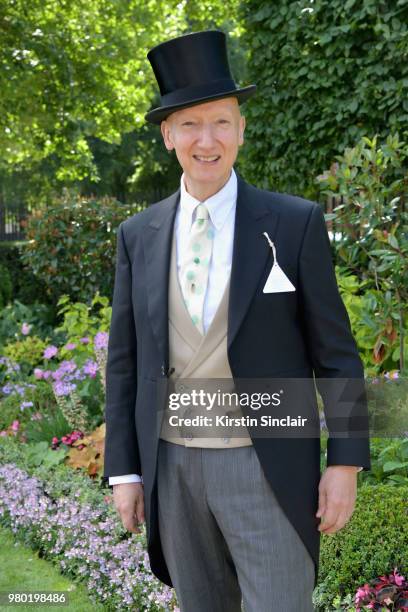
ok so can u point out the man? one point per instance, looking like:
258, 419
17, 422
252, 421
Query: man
199, 295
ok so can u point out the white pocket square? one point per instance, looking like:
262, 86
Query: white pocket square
277, 281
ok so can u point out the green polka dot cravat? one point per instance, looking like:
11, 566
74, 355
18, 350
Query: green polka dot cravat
195, 266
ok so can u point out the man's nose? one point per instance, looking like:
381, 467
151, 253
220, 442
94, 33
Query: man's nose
206, 137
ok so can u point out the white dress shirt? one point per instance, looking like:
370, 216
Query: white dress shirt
221, 209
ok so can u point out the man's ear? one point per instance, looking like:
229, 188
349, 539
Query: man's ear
165, 130
242, 130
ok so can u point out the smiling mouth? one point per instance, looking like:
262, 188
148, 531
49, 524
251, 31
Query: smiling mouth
207, 159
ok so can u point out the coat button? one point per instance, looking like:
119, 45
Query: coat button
226, 440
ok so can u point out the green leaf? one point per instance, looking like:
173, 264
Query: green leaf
389, 466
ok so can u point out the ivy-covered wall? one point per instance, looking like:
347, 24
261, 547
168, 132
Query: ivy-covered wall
328, 71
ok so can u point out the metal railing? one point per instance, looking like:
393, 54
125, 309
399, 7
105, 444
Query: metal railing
12, 222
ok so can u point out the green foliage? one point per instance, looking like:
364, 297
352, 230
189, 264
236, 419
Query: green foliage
40, 453
373, 542
81, 320
371, 223
10, 411
24, 286
327, 73
39, 318
371, 315
5, 286
72, 70
72, 246
75, 80
53, 423
27, 352
389, 462
42, 398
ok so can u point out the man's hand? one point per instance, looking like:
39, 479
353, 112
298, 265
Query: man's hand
337, 497
129, 502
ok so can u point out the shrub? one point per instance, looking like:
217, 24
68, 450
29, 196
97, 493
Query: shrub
27, 352
370, 222
389, 462
39, 319
25, 287
374, 542
72, 245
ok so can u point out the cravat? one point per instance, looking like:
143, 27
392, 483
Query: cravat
195, 266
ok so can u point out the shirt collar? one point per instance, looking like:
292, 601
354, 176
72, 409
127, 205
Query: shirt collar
218, 205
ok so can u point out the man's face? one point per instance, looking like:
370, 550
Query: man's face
206, 139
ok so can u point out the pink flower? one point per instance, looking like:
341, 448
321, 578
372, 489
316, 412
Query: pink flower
15, 425
38, 373
55, 440
25, 329
399, 580
3, 433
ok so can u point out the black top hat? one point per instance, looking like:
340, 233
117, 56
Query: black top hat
192, 69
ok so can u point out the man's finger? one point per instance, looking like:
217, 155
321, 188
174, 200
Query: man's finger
140, 510
129, 521
322, 504
329, 519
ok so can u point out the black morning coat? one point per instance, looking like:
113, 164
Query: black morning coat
297, 334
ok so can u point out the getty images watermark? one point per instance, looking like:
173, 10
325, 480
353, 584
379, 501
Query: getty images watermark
280, 407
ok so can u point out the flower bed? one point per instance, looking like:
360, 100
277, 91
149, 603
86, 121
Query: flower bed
85, 541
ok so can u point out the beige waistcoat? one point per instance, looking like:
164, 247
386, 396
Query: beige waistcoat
194, 356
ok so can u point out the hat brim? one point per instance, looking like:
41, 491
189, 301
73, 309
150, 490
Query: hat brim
157, 115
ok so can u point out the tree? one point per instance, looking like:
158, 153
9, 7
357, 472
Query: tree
71, 69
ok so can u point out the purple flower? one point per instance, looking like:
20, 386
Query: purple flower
25, 405
90, 368
85, 340
70, 346
65, 368
50, 352
101, 340
62, 388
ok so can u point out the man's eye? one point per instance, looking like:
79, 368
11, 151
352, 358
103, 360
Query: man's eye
223, 121
188, 123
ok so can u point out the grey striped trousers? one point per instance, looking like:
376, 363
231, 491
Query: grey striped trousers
225, 538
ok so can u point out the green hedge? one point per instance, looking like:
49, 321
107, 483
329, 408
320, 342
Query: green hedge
327, 72
373, 542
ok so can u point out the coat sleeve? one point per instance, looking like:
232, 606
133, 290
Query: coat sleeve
121, 445
337, 366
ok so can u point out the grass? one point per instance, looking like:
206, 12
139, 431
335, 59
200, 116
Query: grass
22, 570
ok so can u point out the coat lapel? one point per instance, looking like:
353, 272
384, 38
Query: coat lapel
250, 251
157, 241
249, 257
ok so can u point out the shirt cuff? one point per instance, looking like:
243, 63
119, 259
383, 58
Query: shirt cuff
125, 479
